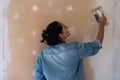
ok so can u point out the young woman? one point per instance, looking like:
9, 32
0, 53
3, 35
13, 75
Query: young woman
62, 61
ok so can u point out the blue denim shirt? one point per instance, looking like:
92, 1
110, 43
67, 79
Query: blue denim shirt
64, 61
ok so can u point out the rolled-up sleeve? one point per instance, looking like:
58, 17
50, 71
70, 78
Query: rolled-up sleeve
89, 49
38, 75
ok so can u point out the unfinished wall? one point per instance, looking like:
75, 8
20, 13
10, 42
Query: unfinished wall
26, 21
27, 18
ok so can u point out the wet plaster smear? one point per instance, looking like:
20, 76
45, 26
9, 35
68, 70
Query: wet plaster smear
4, 47
22, 21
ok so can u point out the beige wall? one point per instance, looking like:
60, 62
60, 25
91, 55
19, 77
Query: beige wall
27, 19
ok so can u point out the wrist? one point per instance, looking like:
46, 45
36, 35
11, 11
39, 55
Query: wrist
102, 24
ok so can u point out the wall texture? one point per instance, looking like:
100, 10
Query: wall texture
21, 24
27, 19
4, 49
102, 63
116, 64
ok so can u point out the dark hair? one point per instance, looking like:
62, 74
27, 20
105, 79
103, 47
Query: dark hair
51, 34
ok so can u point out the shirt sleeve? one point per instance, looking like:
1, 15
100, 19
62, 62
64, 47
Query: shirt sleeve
38, 75
89, 49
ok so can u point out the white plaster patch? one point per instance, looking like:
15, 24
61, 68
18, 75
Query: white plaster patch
35, 8
21, 40
17, 16
69, 8
50, 3
33, 72
33, 32
59, 11
34, 52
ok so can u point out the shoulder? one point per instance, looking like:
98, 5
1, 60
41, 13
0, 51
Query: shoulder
42, 52
73, 45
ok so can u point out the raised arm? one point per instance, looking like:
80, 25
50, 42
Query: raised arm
102, 21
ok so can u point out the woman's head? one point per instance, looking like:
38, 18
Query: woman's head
55, 33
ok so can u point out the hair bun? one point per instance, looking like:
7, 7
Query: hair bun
44, 35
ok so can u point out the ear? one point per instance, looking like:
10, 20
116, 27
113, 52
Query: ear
61, 35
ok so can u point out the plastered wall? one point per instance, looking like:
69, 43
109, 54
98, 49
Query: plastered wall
116, 67
25, 20
102, 63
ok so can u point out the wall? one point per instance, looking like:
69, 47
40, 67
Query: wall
102, 63
116, 64
27, 18
4, 49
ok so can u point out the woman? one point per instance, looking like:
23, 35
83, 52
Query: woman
62, 61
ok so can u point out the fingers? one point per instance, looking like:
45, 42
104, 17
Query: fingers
102, 19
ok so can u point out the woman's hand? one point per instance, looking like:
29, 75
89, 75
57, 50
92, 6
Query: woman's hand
102, 20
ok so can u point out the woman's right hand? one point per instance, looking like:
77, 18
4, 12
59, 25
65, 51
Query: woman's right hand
102, 20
